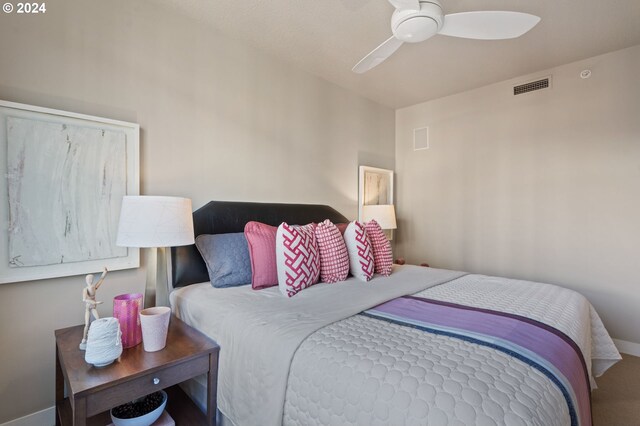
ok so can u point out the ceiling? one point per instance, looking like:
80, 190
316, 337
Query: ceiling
328, 37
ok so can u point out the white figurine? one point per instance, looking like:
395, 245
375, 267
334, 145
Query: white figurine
89, 299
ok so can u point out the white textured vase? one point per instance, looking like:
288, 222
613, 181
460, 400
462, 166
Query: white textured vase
155, 324
104, 342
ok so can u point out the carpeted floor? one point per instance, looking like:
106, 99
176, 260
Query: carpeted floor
616, 402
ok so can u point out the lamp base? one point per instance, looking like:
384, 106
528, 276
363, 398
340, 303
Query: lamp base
155, 293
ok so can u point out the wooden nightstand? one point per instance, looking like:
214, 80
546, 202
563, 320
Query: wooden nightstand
92, 391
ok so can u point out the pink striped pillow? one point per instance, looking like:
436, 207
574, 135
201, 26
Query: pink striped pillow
361, 263
297, 258
262, 252
383, 257
334, 259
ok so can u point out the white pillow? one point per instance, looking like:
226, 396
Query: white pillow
361, 262
297, 258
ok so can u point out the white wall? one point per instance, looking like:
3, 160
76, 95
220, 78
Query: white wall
219, 120
543, 186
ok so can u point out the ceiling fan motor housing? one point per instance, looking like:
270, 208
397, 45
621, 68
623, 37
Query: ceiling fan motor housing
413, 26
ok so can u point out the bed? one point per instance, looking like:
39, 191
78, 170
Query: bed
422, 346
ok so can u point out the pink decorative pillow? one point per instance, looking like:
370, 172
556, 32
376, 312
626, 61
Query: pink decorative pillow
382, 255
262, 252
297, 258
361, 261
334, 259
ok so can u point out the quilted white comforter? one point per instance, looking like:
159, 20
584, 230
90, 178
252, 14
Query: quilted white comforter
309, 361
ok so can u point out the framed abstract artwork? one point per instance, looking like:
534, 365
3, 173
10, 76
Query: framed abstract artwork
61, 187
375, 186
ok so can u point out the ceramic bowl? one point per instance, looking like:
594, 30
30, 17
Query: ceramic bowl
145, 420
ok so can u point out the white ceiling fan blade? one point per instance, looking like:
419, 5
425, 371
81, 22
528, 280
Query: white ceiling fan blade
405, 4
488, 25
378, 55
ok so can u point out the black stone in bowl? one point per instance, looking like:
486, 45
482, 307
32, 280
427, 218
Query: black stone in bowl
141, 412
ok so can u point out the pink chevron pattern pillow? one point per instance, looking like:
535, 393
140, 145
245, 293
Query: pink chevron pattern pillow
297, 258
262, 252
361, 262
382, 254
334, 259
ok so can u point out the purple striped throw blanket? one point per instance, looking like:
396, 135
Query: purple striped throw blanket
538, 345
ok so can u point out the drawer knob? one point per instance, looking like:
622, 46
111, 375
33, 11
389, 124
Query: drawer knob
156, 381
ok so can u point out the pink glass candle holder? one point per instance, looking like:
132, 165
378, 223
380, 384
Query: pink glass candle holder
126, 308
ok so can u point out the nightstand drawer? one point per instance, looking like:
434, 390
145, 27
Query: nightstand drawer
132, 389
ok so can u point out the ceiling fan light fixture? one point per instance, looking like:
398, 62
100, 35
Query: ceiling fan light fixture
416, 29
414, 26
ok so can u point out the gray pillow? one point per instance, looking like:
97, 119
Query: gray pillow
227, 258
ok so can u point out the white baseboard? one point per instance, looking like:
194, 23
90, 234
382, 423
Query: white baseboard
39, 418
628, 348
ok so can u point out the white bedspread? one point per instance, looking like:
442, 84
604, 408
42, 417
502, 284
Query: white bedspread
260, 331
364, 371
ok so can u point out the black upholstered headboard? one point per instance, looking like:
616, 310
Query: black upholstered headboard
222, 217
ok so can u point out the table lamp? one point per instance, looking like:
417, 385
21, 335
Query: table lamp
384, 214
155, 222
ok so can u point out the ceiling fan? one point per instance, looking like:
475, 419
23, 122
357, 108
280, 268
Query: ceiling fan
417, 20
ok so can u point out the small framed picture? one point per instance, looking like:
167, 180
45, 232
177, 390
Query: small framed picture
375, 186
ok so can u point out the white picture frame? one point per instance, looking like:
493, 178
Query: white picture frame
375, 186
69, 170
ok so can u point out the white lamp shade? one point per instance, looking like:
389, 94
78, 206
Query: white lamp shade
384, 214
151, 221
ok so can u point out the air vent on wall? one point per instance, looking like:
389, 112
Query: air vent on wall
532, 86
420, 138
